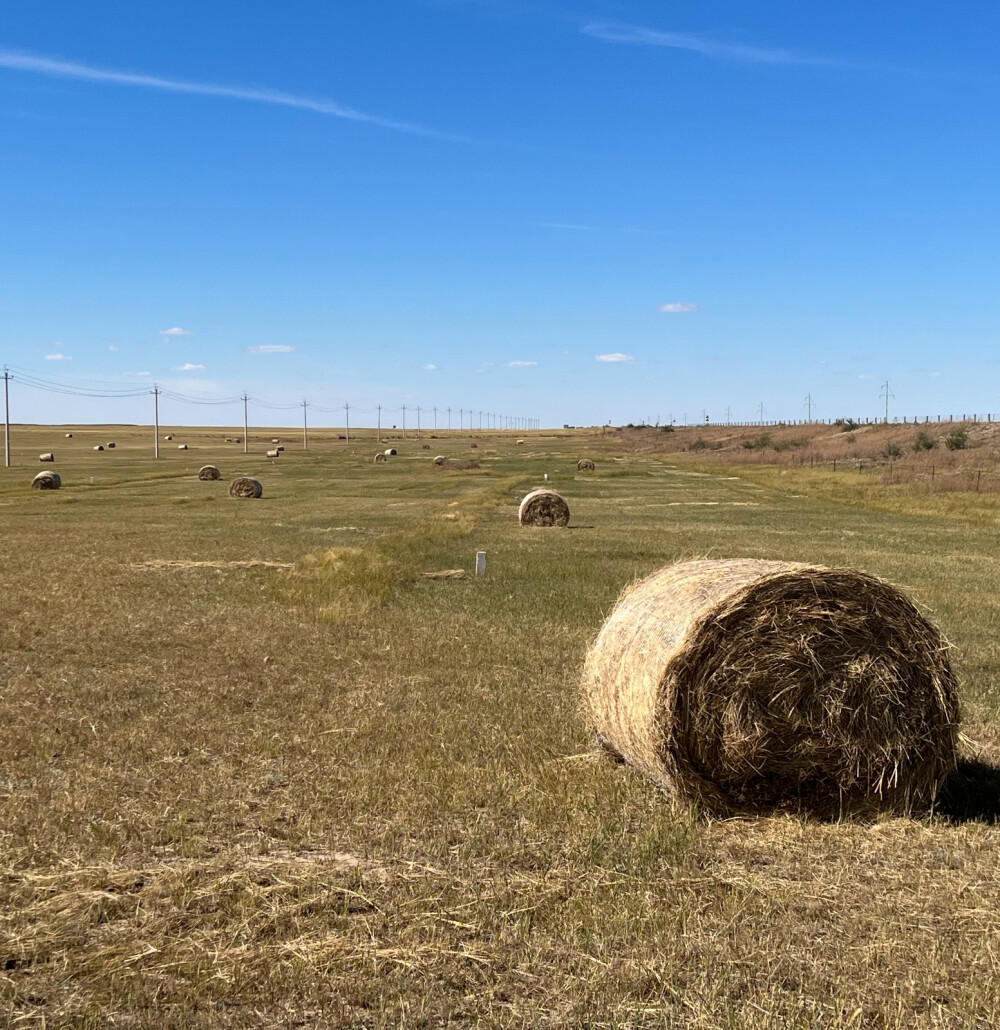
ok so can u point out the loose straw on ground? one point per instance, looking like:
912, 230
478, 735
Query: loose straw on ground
753, 686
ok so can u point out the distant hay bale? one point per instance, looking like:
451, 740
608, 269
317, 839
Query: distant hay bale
425, 446
753, 686
474, 446
585, 465
390, 452
99, 447
169, 436
209, 473
245, 487
520, 443
543, 508
47, 456
69, 436
274, 454
279, 449
111, 446
440, 459
380, 457
46, 481
275, 440
182, 447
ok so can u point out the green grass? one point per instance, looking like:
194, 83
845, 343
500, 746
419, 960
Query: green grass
342, 794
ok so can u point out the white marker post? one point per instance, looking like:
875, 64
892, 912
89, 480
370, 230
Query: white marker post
480, 563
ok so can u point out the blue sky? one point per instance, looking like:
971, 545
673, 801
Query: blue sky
473, 202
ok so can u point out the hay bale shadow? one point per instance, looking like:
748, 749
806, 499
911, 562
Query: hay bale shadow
971, 793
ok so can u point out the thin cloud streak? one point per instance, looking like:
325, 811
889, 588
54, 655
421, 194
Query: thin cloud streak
271, 348
638, 35
615, 359
678, 307
19, 60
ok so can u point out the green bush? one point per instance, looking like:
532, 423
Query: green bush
924, 441
698, 445
892, 451
957, 440
758, 443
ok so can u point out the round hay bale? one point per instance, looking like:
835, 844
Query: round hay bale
279, 449
46, 481
474, 446
111, 446
99, 447
47, 456
274, 454
245, 487
380, 457
440, 459
543, 508
753, 686
209, 473
425, 446
520, 443
69, 436
275, 440
390, 452
169, 436
585, 465
182, 447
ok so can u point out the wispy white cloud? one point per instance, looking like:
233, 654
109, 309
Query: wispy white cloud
615, 359
677, 307
638, 35
271, 348
135, 374
430, 368
521, 364
112, 347
177, 331
189, 367
21, 60
58, 357
865, 376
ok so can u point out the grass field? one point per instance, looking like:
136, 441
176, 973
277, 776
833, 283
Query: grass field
327, 791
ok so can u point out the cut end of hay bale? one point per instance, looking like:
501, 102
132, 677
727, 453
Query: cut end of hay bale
754, 686
520, 443
274, 454
245, 487
440, 459
46, 481
585, 465
209, 473
380, 458
111, 446
182, 447
168, 437
390, 452
47, 456
99, 447
69, 436
543, 508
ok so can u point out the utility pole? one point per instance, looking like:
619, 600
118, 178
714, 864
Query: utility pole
305, 427
418, 421
449, 420
347, 424
760, 412
809, 407
246, 426
887, 393
404, 421
156, 420
380, 423
461, 419
6, 417
435, 419
480, 421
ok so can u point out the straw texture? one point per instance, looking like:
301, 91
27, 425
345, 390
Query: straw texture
543, 508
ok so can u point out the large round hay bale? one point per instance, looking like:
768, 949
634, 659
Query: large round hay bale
47, 456
69, 436
274, 454
46, 481
209, 473
380, 457
182, 447
585, 465
275, 440
753, 686
111, 445
245, 487
543, 508
474, 446
520, 443
425, 446
169, 436
99, 447
390, 452
440, 459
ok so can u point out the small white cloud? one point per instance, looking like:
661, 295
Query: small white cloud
188, 367
58, 357
677, 307
177, 331
136, 373
430, 368
615, 359
271, 348
112, 347
521, 364
865, 377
